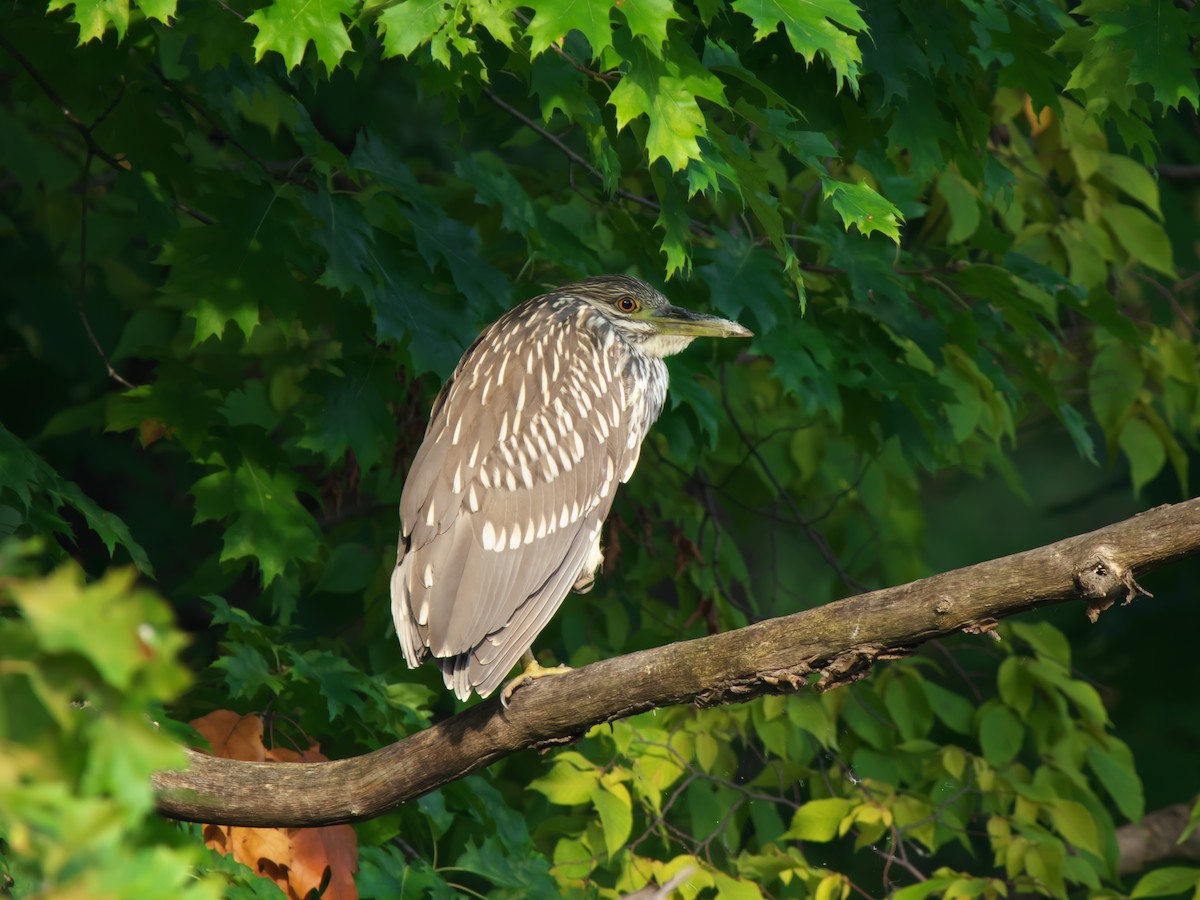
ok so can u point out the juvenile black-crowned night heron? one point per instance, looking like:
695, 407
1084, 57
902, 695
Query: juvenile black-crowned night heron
501, 512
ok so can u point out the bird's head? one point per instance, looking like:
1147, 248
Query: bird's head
645, 318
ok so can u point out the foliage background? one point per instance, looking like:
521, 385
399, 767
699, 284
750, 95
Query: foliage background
965, 233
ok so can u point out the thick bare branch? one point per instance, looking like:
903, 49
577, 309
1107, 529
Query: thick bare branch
839, 641
1155, 839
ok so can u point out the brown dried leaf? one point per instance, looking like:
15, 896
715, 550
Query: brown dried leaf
216, 837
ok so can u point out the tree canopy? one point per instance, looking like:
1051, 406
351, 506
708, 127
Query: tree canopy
244, 242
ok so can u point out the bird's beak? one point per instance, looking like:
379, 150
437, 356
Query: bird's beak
687, 323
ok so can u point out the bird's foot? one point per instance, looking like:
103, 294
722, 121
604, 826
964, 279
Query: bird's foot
533, 670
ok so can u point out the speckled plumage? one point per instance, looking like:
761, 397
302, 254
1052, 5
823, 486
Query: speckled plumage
502, 509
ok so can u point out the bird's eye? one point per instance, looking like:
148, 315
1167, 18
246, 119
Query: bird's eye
627, 304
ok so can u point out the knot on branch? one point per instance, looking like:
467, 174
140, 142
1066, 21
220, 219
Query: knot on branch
848, 667
773, 681
1101, 580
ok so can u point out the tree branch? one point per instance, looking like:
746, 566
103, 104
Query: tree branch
1155, 839
839, 642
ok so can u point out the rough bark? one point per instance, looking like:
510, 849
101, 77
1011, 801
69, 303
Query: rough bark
839, 641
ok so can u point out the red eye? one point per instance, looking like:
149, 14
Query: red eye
627, 304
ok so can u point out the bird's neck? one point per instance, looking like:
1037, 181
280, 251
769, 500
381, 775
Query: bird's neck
661, 345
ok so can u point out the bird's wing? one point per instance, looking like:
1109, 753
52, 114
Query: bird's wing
508, 491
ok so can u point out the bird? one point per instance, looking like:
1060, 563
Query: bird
502, 508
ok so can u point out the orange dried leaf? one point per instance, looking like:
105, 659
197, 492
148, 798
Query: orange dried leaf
287, 755
268, 851
233, 736
153, 430
314, 850
296, 859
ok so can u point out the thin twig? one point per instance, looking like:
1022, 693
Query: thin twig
85, 131
290, 176
81, 298
1176, 170
572, 61
817, 539
568, 152
1170, 297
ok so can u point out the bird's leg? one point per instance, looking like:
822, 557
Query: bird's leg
533, 669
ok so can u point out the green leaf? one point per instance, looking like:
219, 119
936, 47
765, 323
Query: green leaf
1015, 684
340, 683
807, 712
28, 480
573, 859
120, 758
1192, 823
1077, 428
1140, 236
247, 671
674, 222
1156, 37
963, 204
411, 24
95, 16
666, 92
350, 413
860, 205
1120, 779
496, 16
572, 779
955, 711
1166, 882
649, 19
163, 10
1144, 450
115, 625
287, 26
818, 820
554, 18
615, 807
907, 705
729, 888
349, 569
812, 28
1133, 178
264, 518
1085, 697
1076, 824
1046, 640
219, 281
1000, 735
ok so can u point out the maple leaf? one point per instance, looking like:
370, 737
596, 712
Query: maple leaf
811, 29
266, 521
859, 204
554, 18
232, 735
287, 26
1156, 37
666, 91
296, 859
407, 26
